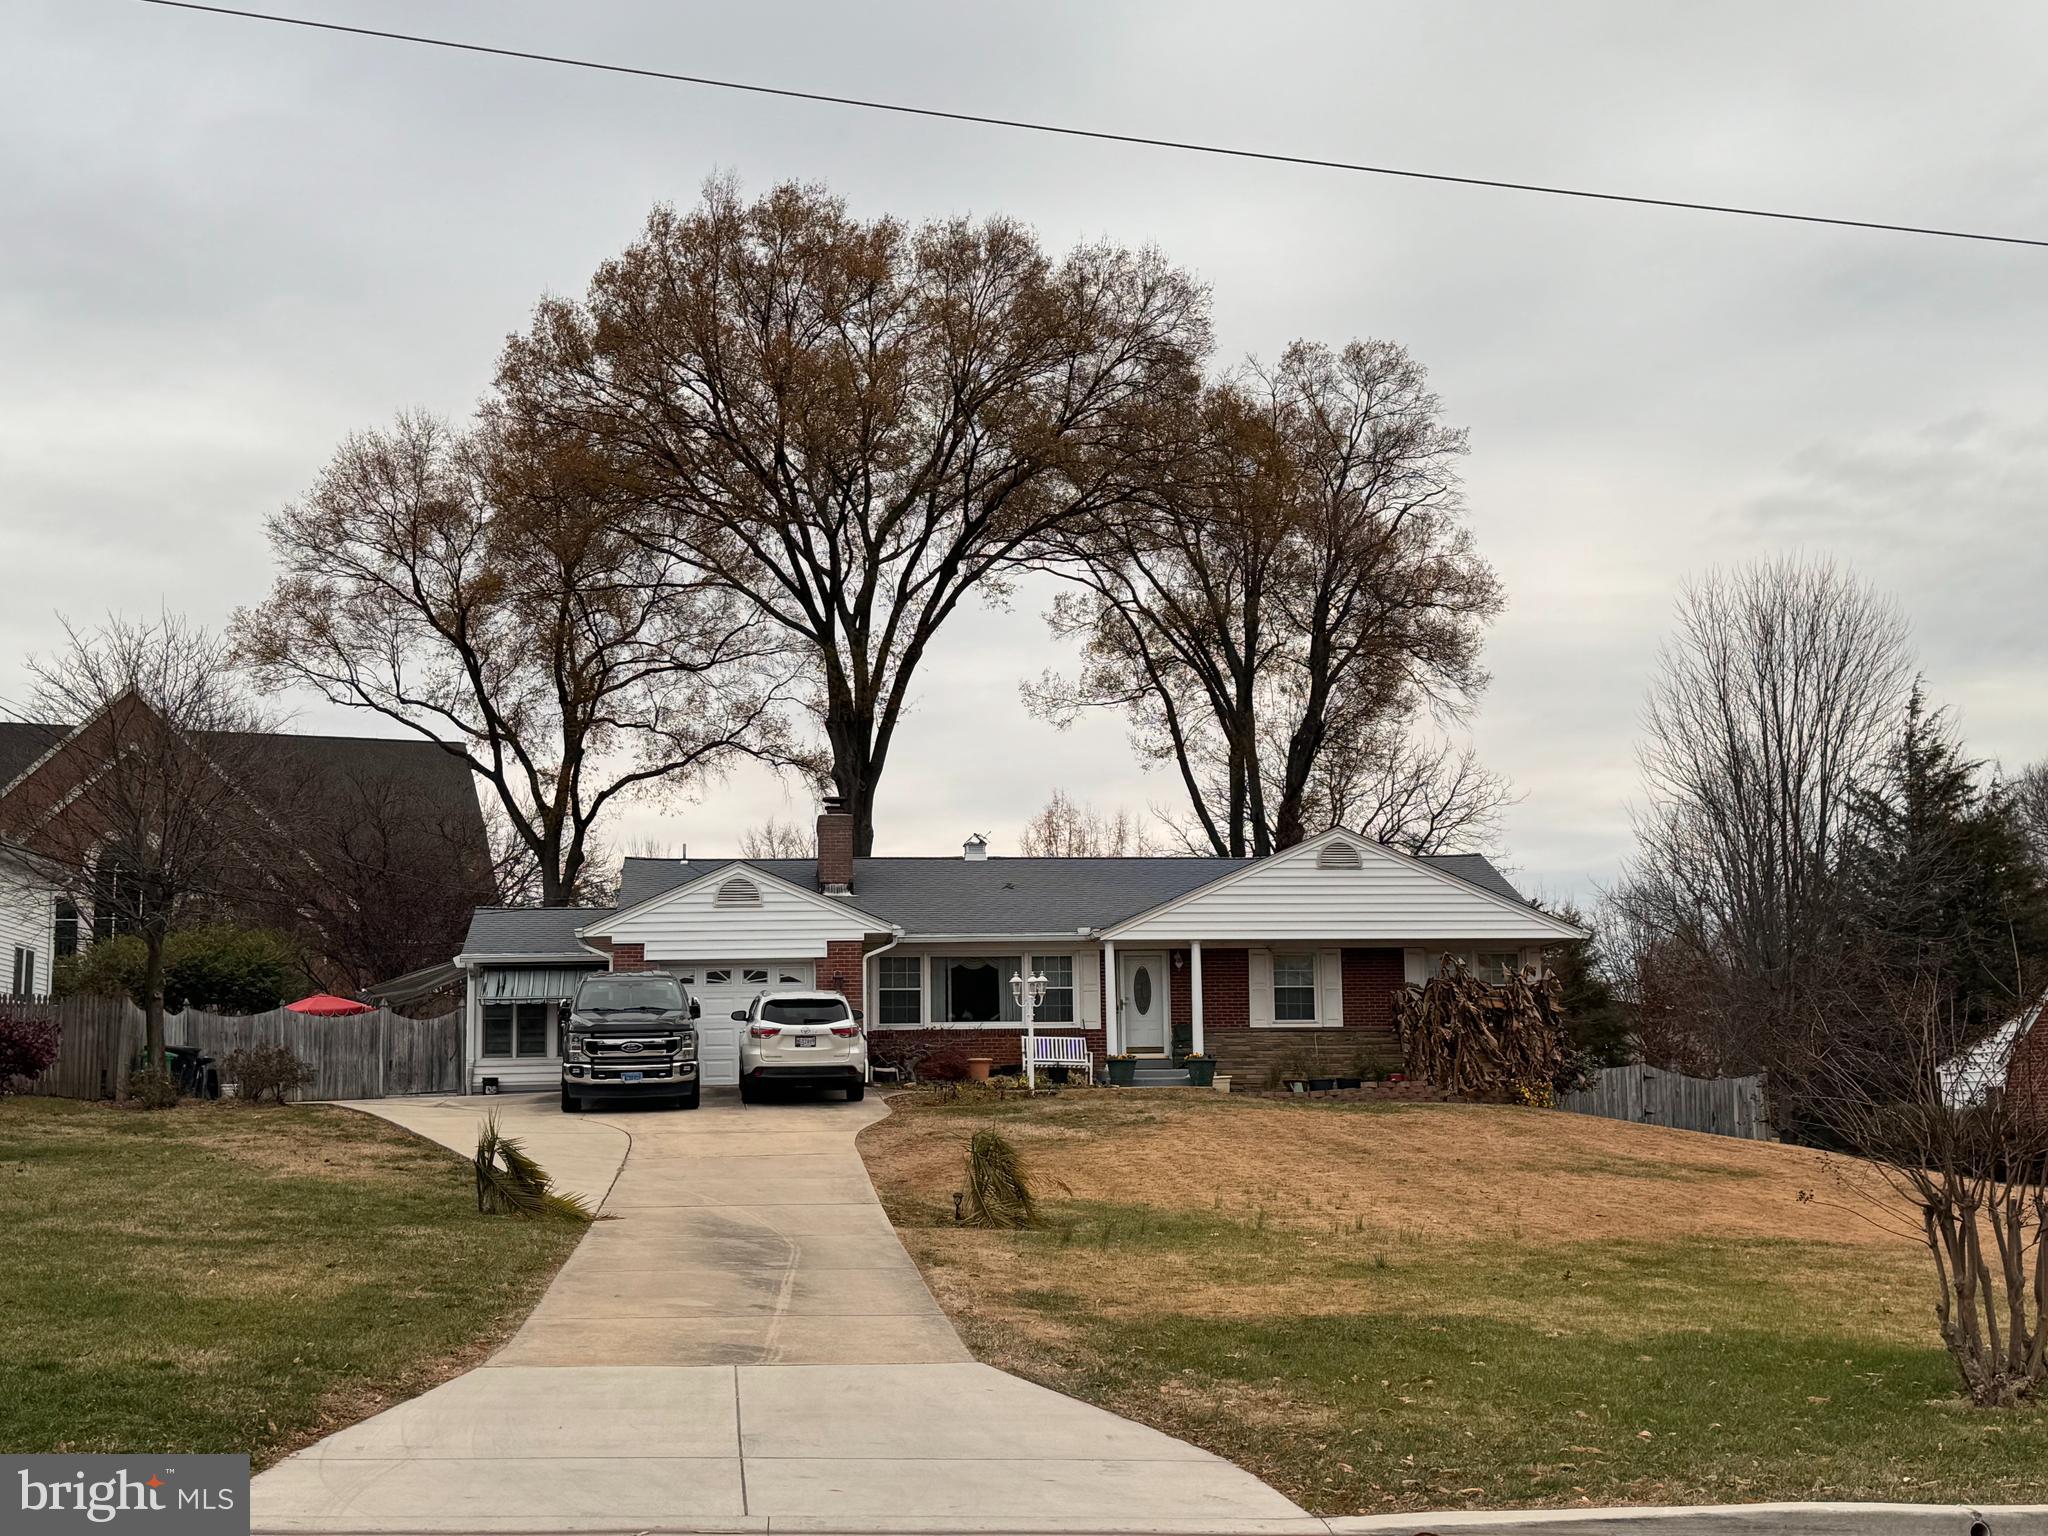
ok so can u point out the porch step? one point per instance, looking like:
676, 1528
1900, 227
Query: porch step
1160, 1077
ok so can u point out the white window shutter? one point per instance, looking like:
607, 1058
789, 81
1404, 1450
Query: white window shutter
1088, 990
1415, 966
1259, 969
1330, 987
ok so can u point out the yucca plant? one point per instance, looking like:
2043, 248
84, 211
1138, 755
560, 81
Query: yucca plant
510, 1183
998, 1194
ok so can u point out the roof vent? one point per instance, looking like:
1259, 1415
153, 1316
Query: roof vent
737, 892
1339, 855
974, 849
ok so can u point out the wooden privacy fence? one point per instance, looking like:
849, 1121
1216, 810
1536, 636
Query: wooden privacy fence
1724, 1106
360, 1056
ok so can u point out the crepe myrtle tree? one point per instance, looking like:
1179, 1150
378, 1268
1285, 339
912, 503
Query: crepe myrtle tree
849, 426
160, 806
481, 588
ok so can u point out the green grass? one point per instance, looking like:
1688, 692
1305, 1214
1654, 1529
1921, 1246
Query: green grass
228, 1278
1374, 1360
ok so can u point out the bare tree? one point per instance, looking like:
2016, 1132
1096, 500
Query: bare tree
850, 426
2030, 805
161, 807
479, 589
774, 839
1771, 712
1950, 1150
1288, 592
1066, 830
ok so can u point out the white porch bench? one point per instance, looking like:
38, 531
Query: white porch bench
1069, 1051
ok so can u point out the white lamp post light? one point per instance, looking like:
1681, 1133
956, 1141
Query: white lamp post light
1029, 994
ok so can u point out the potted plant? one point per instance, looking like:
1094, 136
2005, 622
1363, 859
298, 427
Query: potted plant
978, 1067
1222, 1084
1200, 1067
1123, 1069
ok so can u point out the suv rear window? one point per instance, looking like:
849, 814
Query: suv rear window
805, 1010
653, 992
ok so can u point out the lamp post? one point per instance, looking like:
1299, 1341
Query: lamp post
1029, 994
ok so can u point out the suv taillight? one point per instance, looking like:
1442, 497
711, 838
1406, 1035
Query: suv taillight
846, 1031
764, 1031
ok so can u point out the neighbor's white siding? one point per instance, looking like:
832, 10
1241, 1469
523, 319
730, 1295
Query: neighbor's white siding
1388, 899
687, 925
27, 920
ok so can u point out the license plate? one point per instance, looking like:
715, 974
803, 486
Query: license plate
803, 1039
631, 1077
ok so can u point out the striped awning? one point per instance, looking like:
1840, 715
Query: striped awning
531, 983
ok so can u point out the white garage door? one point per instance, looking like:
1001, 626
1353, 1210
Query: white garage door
721, 986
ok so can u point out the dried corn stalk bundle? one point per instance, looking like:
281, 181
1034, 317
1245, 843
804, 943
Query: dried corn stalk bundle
1505, 1042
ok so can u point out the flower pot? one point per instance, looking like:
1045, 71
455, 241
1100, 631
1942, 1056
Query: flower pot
1222, 1082
1201, 1071
1350, 1082
1123, 1073
977, 1068
1295, 1084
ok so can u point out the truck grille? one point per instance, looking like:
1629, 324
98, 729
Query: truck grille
629, 1050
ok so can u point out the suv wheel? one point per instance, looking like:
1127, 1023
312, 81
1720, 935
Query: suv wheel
856, 1093
748, 1093
569, 1105
689, 1100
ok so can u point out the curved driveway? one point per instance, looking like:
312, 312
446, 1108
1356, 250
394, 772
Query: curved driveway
742, 1345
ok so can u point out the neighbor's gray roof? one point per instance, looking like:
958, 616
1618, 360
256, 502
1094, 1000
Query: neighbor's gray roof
1004, 895
542, 932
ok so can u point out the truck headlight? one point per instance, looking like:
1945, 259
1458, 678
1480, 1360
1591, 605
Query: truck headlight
572, 1048
686, 1047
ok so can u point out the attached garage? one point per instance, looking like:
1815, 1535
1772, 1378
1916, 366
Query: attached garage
720, 986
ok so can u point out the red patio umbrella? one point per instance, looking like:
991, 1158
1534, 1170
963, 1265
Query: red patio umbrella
326, 1005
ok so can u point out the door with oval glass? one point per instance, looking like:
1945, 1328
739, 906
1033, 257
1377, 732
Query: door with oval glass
1144, 1000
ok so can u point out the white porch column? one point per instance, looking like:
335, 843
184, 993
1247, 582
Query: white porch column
1195, 991
1112, 1014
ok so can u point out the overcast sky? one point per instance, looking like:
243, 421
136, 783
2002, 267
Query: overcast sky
225, 244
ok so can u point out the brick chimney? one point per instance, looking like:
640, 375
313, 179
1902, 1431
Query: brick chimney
835, 847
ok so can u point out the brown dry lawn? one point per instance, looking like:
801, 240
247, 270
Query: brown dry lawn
226, 1277
1386, 1307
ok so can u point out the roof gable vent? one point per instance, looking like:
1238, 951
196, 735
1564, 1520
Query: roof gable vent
1339, 855
739, 891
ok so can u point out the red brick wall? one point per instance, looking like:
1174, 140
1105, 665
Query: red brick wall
1226, 990
629, 957
1371, 977
840, 970
2026, 1074
835, 849
1002, 1044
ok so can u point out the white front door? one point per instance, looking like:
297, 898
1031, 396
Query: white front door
719, 987
1144, 1000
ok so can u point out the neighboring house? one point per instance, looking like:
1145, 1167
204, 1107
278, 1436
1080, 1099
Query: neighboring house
1251, 960
28, 926
373, 853
2012, 1059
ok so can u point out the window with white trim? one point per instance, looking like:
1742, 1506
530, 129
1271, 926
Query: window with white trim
1058, 971
1294, 989
899, 984
24, 971
1497, 965
516, 1030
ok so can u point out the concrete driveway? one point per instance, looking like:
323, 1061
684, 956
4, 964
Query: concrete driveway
744, 1346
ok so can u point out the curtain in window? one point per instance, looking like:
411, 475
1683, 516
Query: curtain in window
975, 989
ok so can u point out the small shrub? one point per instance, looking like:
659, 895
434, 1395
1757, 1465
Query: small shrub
28, 1045
153, 1088
265, 1071
947, 1064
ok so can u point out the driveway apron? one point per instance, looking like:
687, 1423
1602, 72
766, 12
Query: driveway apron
742, 1344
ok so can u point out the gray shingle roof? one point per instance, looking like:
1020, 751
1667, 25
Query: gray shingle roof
1003, 895
542, 932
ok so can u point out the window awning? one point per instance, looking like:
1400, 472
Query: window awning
531, 983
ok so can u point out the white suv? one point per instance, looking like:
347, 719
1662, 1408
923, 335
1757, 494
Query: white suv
802, 1037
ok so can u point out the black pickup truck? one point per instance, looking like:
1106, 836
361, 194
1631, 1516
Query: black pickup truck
631, 1034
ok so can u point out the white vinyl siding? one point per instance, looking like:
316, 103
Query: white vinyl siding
26, 917
694, 923
1389, 898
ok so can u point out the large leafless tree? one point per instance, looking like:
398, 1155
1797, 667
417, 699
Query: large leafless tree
1771, 712
161, 805
1068, 829
483, 589
1288, 593
851, 426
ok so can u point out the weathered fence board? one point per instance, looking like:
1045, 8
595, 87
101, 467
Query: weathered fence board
358, 1056
1722, 1106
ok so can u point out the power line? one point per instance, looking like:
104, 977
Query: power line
1227, 151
